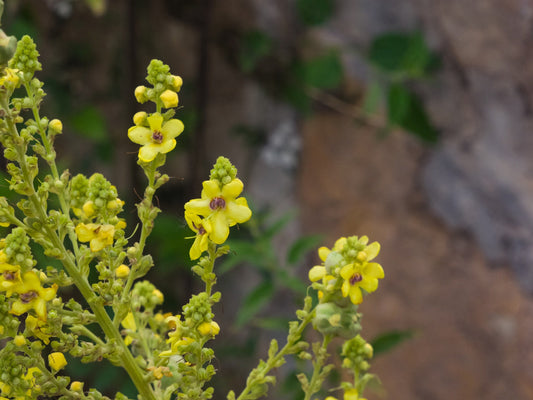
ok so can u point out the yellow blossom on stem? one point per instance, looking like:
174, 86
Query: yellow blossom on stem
9, 277
32, 296
38, 328
57, 360
221, 207
99, 236
360, 275
76, 386
19, 340
129, 323
209, 328
10, 78
122, 271
159, 138
203, 229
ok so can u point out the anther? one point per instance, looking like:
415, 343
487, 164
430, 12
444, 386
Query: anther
217, 203
157, 136
28, 296
356, 278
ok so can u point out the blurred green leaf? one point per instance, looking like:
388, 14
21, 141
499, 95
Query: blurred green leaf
389, 340
291, 282
323, 72
302, 246
398, 102
405, 53
255, 45
407, 111
253, 303
89, 122
314, 12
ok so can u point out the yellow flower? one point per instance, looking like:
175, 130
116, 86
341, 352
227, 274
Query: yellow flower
158, 139
99, 236
176, 82
360, 275
4, 224
221, 207
38, 328
32, 295
169, 98
9, 278
10, 78
209, 328
203, 229
57, 360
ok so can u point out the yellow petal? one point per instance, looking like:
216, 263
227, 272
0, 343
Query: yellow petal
323, 253
140, 135
210, 190
236, 213
148, 152
220, 228
356, 297
374, 270
372, 250
369, 284
316, 273
155, 121
198, 206
232, 189
172, 128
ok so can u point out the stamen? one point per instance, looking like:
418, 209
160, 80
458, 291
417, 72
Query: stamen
217, 203
201, 230
157, 136
28, 296
9, 275
356, 278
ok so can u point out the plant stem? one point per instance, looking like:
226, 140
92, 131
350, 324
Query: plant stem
321, 357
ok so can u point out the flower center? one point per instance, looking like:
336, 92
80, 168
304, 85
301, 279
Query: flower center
157, 136
356, 278
218, 203
201, 230
28, 296
9, 275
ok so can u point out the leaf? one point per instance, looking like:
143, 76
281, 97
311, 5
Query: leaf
323, 72
389, 340
405, 53
406, 110
398, 102
314, 12
273, 323
254, 46
89, 122
301, 246
253, 303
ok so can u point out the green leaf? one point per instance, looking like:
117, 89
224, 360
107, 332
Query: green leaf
90, 122
406, 110
253, 303
254, 46
389, 340
301, 246
314, 12
405, 53
398, 102
323, 72
291, 282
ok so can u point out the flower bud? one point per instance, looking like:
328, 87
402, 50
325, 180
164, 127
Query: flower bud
140, 94
169, 98
76, 386
19, 340
176, 82
122, 271
209, 328
139, 118
56, 125
57, 360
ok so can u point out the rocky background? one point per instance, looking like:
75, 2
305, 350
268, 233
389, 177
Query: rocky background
455, 220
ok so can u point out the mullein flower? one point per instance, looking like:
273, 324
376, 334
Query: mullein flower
32, 296
221, 207
360, 274
210, 328
38, 328
203, 229
98, 236
159, 138
9, 278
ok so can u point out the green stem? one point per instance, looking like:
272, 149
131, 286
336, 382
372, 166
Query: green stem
273, 361
128, 362
321, 357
